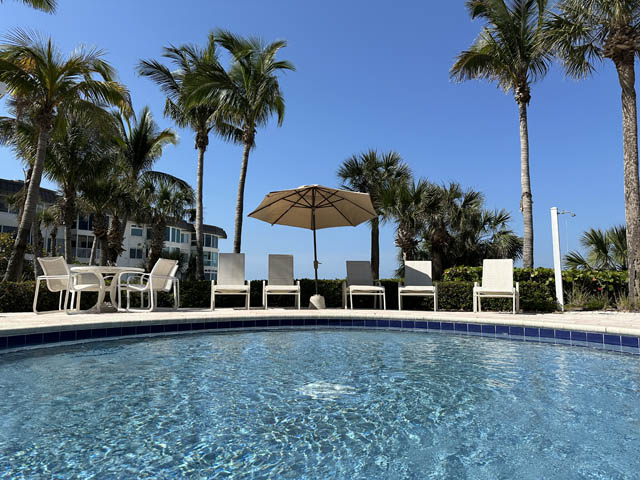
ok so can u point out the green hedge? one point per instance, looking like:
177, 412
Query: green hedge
612, 283
534, 296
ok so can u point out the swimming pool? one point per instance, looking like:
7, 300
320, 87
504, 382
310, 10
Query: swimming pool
319, 404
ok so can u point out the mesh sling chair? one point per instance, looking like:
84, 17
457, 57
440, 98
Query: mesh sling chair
231, 279
497, 282
281, 279
418, 282
59, 278
360, 282
162, 278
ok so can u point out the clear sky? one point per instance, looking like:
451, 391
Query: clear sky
370, 74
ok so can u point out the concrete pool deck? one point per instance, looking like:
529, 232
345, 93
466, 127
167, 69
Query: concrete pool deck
615, 323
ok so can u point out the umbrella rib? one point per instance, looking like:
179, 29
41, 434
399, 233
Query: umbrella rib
349, 201
285, 198
293, 204
335, 208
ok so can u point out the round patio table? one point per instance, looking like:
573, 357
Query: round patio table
103, 273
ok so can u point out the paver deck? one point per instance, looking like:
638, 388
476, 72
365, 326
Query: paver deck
601, 322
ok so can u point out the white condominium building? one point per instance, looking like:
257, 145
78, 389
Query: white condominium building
179, 235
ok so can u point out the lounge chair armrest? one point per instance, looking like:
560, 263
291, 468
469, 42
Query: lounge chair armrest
52, 277
133, 274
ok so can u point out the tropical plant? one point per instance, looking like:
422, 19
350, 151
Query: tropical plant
164, 201
376, 174
408, 205
51, 219
583, 33
140, 144
512, 51
48, 6
247, 96
458, 230
202, 119
36, 73
606, 250
79, 151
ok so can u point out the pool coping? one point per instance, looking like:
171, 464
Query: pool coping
618, 332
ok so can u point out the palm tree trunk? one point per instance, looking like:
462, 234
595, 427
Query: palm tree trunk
54, 237
157, 243
237, 236
100, 231
69, 216
92, 255
114, 240
16, 261
526, 202
375, 248
37, 242
626, 77
199, 216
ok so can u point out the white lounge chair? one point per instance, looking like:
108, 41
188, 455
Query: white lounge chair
360, 282
162, 278
497, 282
231, 279
60, 279
281, 279
418, 282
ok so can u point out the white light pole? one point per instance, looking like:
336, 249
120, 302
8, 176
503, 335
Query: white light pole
557, 256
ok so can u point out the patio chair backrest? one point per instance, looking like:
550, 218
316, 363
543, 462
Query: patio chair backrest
231, 269
280, 269
497, 275
55, 266
164, 268
417, 273
359, 273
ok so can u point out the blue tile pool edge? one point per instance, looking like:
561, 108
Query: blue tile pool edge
580, 338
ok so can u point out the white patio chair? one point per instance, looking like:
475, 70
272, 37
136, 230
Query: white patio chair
418, 282
60, 279
281, 279
360, 282
162, 278
497, 282
231, 279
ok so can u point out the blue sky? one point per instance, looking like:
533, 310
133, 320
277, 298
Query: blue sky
370, 74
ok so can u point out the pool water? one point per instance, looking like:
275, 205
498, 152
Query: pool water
319, 405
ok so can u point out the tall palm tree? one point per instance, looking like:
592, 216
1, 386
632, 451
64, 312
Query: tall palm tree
35, 71
202, 119
164, 201
48, 6
247, 95
408, 205
583, 33
606, 250
512, 51
78, 152
140, 144
375, 174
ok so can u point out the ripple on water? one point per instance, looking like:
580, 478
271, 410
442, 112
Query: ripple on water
319, 404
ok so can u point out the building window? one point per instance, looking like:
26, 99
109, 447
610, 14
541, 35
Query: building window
167, 234
184, 238
136, 231
210, 241
135, 253
8, 229
210, 275
149, 233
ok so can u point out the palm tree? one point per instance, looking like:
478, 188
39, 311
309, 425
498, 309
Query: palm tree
247, 95
375, 174
51, 218
512, 51
77, 153
459, 231
164, 201
99, 196
139, 145
202, 119
606, 250
48, 6
35, 71
408, 206
583, 33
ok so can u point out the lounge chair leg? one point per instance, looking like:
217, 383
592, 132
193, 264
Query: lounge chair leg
351, 299
35, 296
384, 301
399, 301
435, 302
514, 304
247, 302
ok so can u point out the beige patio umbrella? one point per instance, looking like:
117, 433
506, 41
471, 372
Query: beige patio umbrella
314, 207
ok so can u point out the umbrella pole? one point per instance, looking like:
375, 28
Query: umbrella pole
315, 248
